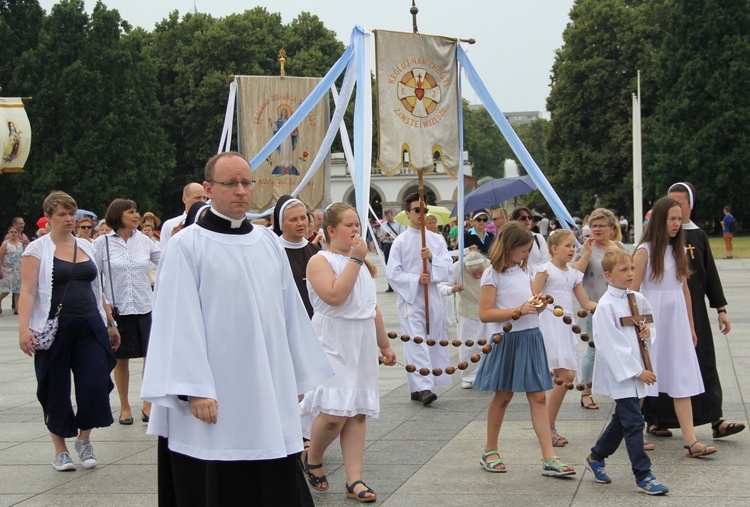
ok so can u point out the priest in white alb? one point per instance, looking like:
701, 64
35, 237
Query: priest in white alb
231, 350
405, 275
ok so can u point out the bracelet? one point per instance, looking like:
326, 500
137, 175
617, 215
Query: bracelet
358, 261
722, 310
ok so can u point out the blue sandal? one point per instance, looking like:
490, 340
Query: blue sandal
552, 469
360, 497
490, 465
314, 480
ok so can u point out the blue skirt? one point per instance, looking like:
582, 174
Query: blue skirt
518, 364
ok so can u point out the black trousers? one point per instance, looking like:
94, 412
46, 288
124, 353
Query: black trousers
186, 482
81, 346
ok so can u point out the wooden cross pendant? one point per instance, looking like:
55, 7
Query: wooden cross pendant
638, 321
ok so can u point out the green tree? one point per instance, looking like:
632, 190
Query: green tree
485, 143
197, 55
95, 115
20, 22
589, 146
703, 119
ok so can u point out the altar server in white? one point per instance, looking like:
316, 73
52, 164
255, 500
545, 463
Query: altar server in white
405, 275
231, 349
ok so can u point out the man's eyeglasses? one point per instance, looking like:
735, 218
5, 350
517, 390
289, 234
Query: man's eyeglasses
524, 218
84, 227
246, 184
418, 209
484, 219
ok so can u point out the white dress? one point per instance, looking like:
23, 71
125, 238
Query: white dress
673, 354
347, 334
559, 340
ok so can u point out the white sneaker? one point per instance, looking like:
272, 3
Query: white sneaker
85, 453
465, 384
63, 462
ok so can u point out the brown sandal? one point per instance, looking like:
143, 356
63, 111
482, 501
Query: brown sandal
590, 406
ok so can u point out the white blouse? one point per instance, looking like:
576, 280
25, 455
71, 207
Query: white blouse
130, 262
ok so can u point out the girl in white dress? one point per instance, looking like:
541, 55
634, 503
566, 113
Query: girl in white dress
557, 279
661, 272
350, 327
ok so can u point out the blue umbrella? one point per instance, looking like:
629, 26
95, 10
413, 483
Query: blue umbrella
496, 191
85, 213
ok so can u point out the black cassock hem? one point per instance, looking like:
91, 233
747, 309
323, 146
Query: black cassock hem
186, 482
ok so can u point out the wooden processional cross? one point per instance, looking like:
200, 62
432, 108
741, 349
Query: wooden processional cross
638, 321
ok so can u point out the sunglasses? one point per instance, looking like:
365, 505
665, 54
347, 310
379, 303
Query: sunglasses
84, 227
480, 219
524, 218
418, 209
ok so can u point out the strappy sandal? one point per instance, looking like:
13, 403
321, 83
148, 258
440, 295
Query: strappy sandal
656, 431
590, 406
552, 469
730, 429
314, 480
490, 465
557, 439
706, 451
360, 497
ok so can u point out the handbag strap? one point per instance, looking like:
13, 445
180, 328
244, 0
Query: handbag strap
109, 268
67, 285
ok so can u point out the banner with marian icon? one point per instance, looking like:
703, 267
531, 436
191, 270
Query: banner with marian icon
265, 104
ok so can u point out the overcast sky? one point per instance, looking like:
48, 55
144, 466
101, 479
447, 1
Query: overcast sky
516, 39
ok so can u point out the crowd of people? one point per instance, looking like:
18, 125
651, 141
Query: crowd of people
274, 325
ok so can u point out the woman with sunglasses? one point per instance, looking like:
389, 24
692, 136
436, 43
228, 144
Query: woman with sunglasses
478, 238
84, 228
539, 253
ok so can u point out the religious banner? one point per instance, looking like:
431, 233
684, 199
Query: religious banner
15, 135
265, 104
417, 101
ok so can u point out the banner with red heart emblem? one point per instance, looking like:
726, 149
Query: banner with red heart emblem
417, 101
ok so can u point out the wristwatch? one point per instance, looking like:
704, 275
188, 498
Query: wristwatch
112, 324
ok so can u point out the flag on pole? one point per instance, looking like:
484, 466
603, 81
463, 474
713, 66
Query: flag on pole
418, 98
15, 135
265, 104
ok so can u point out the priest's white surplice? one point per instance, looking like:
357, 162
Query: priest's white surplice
229, 324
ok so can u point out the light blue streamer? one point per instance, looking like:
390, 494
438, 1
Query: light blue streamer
363, 87
320, 91
515, 143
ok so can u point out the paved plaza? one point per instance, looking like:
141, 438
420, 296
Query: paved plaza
416, 455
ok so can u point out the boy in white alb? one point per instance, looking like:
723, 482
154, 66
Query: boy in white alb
619, 374
405, 274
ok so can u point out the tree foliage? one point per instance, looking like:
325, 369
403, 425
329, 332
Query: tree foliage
703, 119
96, 119
589, 144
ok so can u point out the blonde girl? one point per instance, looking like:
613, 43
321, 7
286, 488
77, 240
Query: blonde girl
560, 281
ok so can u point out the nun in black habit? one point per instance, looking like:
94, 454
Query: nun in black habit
290, 224
703, 282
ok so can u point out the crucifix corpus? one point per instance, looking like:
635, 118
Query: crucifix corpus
638, 321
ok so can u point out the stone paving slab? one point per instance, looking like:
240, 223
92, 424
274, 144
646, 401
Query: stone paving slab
415, 455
